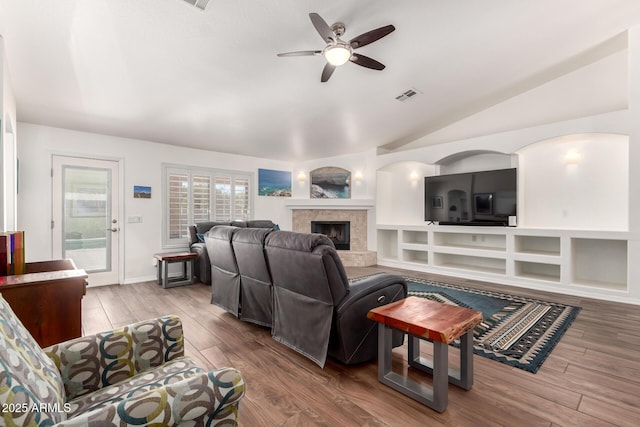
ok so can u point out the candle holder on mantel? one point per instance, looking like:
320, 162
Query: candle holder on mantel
12, 253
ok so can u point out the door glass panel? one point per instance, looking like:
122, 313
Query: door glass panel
87, 218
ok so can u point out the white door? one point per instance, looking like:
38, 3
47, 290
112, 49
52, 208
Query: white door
85, 219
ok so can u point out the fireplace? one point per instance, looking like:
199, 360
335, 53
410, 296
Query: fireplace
337, 231
357, 255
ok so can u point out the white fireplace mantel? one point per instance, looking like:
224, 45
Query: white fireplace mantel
330, 204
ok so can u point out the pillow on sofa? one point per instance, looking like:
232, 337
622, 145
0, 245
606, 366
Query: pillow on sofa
200, 237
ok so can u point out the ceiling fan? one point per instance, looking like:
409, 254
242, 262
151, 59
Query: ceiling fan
338, 52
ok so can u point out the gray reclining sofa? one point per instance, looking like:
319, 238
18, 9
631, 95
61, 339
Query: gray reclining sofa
296, 284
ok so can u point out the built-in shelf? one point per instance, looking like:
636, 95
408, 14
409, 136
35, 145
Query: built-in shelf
415, 236
600, 263
415, 256
538, 271
537, 245
388, 244
493, 242
473, 263
582, 262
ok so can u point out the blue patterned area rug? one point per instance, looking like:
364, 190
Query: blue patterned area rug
518, 331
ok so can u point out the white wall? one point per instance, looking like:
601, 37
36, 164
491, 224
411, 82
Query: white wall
142, 163
7, 147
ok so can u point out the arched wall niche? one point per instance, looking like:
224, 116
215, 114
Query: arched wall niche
575, 181
476, 160
400, 192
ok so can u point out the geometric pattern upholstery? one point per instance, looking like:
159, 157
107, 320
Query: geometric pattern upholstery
90, 363
134, 375
28, 378
177, 392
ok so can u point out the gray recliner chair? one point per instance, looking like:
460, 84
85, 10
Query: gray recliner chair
255, 279
316, 310
225, 276
197, 245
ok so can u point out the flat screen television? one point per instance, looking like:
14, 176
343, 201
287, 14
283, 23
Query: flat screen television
473, 198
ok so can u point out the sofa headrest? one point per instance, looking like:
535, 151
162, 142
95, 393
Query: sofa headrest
251, 235
221, 232
203, 227
306, 242
260, 223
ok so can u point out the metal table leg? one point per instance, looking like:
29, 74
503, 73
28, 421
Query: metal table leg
435, 397
463, 377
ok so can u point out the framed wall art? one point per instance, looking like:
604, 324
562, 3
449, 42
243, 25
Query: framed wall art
274, 183
330, 183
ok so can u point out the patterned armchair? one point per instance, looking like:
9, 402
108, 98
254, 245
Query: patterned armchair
134, 375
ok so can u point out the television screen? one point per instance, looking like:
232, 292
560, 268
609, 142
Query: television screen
483, 204
474, 198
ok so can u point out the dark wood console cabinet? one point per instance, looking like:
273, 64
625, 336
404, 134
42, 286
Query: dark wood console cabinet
48, 299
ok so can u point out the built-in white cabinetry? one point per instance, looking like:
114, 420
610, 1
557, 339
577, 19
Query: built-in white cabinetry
579, 262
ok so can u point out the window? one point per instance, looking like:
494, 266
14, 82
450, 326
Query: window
195, 195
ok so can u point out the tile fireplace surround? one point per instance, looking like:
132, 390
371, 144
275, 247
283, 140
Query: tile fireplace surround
358, 256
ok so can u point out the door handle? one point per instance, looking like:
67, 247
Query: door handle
114, 229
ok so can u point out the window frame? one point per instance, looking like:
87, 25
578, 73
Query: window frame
212, 173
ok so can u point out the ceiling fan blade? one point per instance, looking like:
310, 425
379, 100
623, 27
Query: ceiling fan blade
301, 53
322, 27
326, 72
371, 36
365, 61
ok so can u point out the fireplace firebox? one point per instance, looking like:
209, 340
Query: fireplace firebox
337, 231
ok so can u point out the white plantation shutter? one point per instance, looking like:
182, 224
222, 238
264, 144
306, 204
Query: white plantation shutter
178, 205
222, 201
201, 197
197, 195
241, 202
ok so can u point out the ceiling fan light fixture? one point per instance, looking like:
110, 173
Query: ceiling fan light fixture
337, 54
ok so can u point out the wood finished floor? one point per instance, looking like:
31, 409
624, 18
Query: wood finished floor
592, 377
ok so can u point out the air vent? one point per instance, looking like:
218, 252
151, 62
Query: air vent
200, 4
407, 94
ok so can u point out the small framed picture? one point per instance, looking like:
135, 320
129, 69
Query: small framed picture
436, 202
141, 192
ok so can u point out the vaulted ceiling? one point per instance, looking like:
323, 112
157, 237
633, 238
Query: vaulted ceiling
168, 72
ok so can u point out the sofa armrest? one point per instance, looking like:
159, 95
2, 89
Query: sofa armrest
197, 400
359, 288
192, 235
355, 337
92, 362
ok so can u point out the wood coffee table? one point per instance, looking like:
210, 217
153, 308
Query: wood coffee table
164, 259
440, 323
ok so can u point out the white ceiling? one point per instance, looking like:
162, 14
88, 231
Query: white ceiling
164, 71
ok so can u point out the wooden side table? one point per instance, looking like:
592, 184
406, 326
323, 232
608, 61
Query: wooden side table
164, 259
440, 323
48, 299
